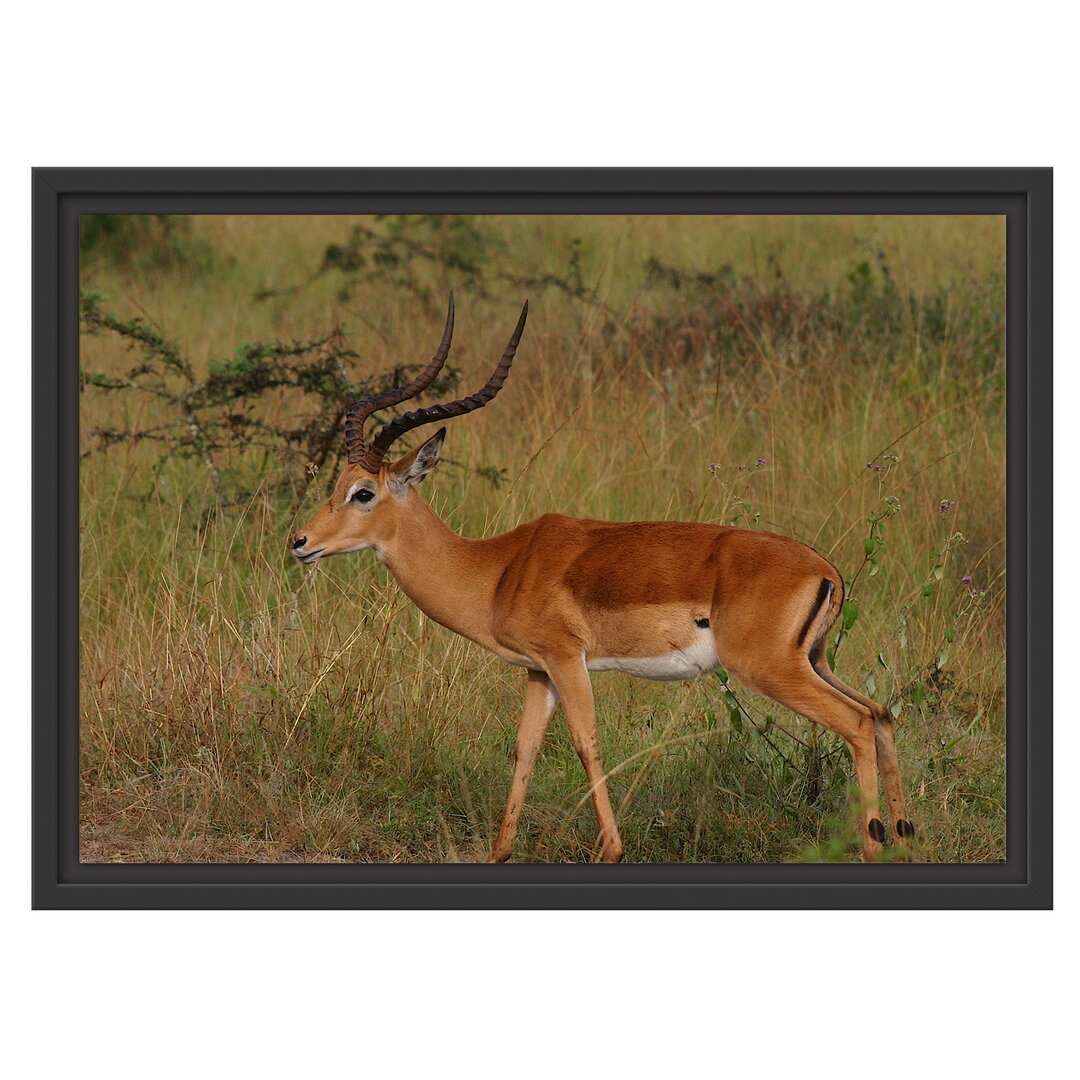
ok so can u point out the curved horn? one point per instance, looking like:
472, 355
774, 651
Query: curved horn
406, 422
356, 417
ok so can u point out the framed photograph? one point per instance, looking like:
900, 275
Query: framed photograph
542, 538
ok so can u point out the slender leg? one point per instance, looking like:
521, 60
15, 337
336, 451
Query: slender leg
540, 701
888, 763
889, 766
798, 686
571, 679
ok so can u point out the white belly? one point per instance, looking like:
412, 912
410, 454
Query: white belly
696, 659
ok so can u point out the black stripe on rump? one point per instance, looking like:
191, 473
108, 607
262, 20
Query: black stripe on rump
823, 594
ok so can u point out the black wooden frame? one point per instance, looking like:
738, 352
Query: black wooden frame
1024, 196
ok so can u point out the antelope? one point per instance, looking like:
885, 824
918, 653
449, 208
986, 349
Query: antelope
562, 597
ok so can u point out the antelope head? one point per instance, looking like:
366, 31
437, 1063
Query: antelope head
367, 500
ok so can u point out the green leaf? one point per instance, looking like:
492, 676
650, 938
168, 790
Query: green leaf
871, 683
927, 589
881, 661
943, 658
830, 656
874, 568
938, 571
851, 613
950, 634
736, 718
897, 707
918, 694
871, 545
722, 675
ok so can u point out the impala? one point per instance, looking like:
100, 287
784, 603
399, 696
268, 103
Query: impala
562, 596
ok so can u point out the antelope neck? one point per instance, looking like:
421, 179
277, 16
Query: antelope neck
444, 574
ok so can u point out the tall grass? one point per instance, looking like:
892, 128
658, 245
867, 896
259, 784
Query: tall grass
239, 707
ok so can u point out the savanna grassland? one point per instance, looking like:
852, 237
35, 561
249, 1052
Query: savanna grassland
838, 380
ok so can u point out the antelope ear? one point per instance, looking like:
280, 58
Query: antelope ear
413, 467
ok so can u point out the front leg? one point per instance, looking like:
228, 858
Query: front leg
571, 679
540, 701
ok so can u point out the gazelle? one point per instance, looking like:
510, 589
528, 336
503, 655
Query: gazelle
562, 596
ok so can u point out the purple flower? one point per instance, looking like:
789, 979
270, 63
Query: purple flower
945, 505
966, 579
761, 461
876, 468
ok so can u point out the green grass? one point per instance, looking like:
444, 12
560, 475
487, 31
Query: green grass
238, 707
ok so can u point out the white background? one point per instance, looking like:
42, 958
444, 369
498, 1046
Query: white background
671, 994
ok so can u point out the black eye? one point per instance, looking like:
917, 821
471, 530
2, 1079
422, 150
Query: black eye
363, 496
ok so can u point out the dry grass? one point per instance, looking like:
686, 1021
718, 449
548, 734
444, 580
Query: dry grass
238, 707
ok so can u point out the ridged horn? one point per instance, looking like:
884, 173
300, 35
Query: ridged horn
407, 421
356, 449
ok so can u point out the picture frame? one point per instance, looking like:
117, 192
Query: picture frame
1023, 196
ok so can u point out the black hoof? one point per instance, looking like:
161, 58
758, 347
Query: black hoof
905, 829
877, 830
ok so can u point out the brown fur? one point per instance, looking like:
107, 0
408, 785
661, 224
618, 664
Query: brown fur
559, 590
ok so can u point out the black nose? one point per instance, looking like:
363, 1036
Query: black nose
299, 542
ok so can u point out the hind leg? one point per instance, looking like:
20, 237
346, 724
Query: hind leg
889, 765
796, 685
888, 762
